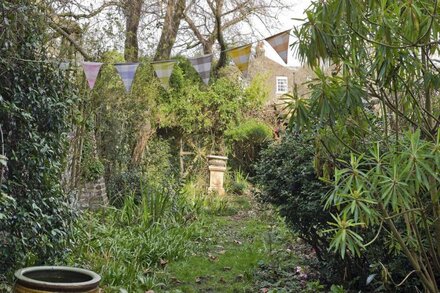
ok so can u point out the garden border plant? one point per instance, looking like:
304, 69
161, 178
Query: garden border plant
35, 103
382, 60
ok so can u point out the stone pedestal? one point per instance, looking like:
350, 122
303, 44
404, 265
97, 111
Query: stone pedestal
217, 168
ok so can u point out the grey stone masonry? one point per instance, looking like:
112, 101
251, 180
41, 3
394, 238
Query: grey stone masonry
92, 195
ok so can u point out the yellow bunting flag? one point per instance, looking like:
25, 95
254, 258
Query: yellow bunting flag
280, 43
163, 71
240, 56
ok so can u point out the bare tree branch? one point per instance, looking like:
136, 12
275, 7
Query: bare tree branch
92, 13
79, 48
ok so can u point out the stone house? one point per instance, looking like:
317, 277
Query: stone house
279, 79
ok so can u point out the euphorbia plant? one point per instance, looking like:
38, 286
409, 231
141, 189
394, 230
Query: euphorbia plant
391, 189
380, 100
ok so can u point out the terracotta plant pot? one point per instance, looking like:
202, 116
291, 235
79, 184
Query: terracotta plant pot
46, 279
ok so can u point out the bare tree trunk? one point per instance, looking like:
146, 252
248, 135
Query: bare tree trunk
145, 133
207, 47
174, 14
218, 21
132, 11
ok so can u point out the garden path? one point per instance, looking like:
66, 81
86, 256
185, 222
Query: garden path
245, 248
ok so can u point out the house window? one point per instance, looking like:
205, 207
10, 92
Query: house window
281, 85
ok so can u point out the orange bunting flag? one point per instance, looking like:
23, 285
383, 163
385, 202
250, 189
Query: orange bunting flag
240, 56
280, 43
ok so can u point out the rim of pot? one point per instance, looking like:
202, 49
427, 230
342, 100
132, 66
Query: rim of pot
90, 284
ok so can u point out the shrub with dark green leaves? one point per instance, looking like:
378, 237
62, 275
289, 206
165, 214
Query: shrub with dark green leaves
246, 140
35, 100
286, 178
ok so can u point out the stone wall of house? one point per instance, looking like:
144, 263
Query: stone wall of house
92, 195
271, 69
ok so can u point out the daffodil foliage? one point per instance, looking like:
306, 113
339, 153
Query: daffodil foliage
376, 92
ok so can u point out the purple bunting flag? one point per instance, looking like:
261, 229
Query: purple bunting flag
127, 72
91, 70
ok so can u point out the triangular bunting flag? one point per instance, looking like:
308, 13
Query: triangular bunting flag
91, 70
203, 66
240, 56
280, 43
127, 72
65, 65
163, 71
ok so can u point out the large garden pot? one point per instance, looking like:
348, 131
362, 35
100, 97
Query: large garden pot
46, 279
217, 168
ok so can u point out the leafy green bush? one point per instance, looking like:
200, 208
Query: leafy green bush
387, 101
286, 178
238, 184
93, 169
125, 246
251, 129
201, 114
155, 171
35, 100
119, 133
246, 140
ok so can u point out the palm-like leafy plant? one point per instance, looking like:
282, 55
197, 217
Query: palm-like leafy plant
380, 100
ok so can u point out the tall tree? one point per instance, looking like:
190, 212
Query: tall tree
132, 11
214, 21
174, 14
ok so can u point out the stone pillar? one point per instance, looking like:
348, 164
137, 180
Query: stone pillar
93, 195
217, 168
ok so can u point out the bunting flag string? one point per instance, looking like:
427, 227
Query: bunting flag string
163, 71
280, 43
91, 70
240, 56
127, 72
203, 66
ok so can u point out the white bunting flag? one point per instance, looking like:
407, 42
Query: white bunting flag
280, 43
127, 72
203, 66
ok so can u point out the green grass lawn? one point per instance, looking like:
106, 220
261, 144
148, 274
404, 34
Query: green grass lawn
229, 251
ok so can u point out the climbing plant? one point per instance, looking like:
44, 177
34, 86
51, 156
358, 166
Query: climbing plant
35, 100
